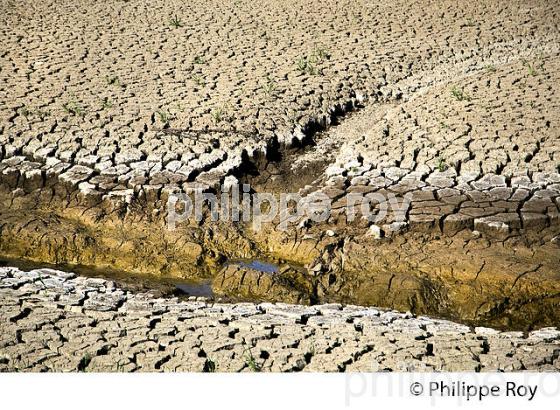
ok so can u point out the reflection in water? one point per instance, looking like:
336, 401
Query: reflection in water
258, 265
157, 285
196, 289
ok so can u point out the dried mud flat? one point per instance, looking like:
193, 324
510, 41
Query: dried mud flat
107, 108
55, 321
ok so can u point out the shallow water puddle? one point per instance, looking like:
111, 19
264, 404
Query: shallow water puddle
195, 289
159, 286
256, 264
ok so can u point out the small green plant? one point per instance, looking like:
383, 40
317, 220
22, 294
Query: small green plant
164, 116
218, 115
199, 80
469, 23
269, 87
209, 366
308, 65
198, 60
441, 164
84, 362
251, 362
312, 69
42, 114
530, 68
321, 53
28, 112
301, 64
113, 80
175, 22
459, 94
490, 68
74, 109
106, 103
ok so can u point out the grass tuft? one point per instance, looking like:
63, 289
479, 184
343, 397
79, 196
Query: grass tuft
73, 108
269, 87
106, 103
164, 116
530, 68
175, 22
218, 115
308, 64
441, 164
251, 362
199, 80
459, 94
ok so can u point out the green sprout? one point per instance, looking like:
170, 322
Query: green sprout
74, 108
459, 94
530, 68
269, 87
441, 164
199, 80
175, 22
218, 115
164, 116
106, 103
251, 362
113, 81
308, 65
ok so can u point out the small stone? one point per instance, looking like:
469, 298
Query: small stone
230, 181
375, 231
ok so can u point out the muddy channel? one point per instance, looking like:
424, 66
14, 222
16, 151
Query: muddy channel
481, 279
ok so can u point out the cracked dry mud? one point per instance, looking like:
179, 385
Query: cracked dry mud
55, 321
109, 107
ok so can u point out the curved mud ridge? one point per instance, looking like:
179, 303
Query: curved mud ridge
55, 321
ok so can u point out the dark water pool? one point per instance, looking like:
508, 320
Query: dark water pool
159, 286
194, 289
